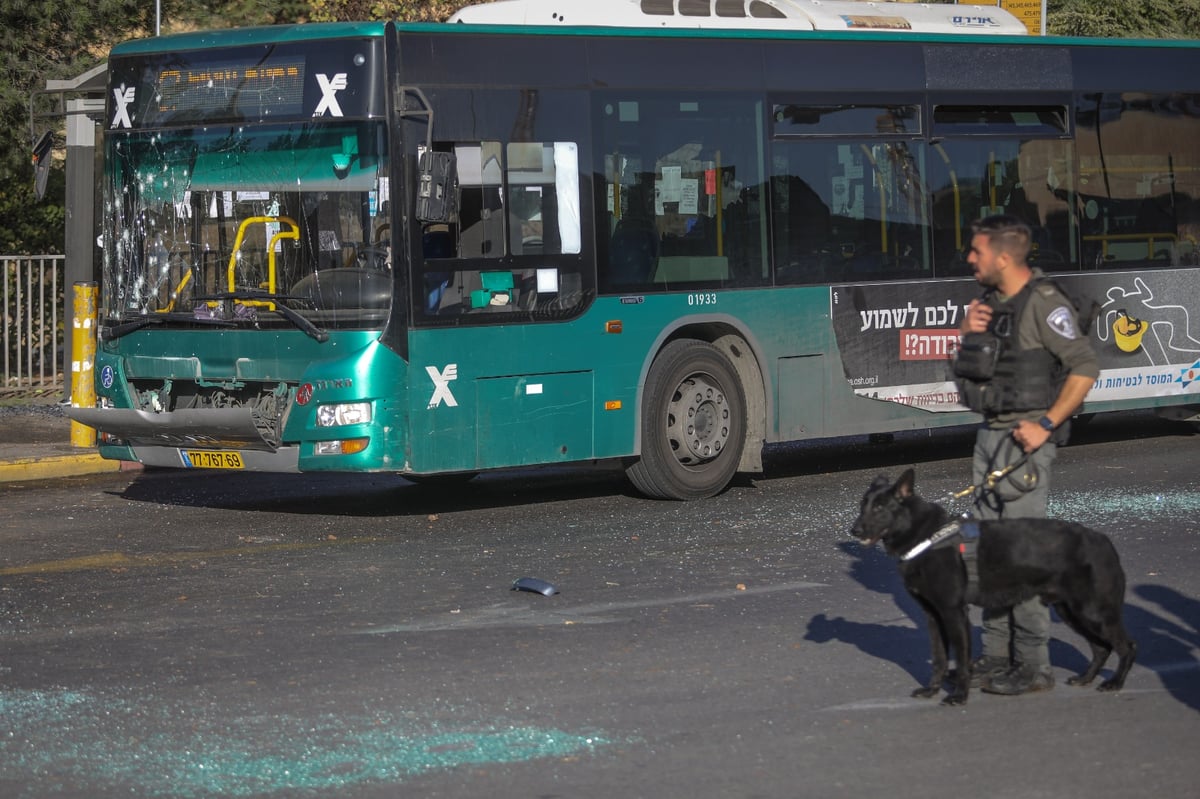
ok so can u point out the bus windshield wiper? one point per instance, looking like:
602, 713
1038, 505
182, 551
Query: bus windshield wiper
114, 332
277, 301
300, 321
125, 328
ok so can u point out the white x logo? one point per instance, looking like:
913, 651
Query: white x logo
329, 90
124, 98
441, 385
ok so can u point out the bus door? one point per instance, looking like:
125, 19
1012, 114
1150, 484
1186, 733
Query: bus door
506, 256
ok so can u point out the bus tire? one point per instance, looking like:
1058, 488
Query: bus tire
693, 423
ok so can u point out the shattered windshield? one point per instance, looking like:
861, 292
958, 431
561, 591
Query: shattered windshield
282, 225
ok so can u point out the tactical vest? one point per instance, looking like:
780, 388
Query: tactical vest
994, 375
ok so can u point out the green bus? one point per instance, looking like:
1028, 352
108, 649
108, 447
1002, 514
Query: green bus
662, 241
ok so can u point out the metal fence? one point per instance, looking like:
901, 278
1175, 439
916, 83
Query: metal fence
34, 335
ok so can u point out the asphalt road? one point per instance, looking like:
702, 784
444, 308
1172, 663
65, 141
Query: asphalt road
171, 634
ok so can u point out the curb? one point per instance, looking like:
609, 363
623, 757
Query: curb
59, 466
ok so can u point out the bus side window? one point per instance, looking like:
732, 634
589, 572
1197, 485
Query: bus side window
682, 183
1137, 193
481, 205
436, 244
633, 250
543, 198
519, 204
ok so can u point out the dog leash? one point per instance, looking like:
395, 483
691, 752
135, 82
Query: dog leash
989, 481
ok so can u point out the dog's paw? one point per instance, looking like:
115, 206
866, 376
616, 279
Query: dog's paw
955, 699
1109, 685
925, 693
1082, 679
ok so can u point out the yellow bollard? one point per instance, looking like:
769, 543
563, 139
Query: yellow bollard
83, 360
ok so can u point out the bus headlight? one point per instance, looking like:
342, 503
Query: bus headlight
343, 413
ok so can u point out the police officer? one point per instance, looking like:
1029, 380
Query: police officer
1026, 366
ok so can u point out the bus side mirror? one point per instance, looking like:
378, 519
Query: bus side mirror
437, 187
41, 163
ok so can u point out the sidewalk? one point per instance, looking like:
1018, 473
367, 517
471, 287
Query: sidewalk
35, 444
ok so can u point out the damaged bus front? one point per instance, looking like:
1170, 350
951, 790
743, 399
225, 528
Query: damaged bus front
247, 292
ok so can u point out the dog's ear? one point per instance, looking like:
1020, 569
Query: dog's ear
904, 486
882, 481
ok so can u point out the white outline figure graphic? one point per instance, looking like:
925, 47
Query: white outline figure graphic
1170, 325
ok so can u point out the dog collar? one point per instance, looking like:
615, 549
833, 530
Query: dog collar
945, 531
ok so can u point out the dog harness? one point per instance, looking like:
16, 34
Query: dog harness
966, 531
943, 534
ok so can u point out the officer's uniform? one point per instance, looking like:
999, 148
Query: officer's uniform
1047, 324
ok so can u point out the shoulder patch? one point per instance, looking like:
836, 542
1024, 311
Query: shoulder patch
1062, 321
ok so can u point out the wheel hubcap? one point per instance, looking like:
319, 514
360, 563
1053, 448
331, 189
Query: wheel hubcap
697, 420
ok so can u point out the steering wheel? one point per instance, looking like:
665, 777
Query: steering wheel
373, 256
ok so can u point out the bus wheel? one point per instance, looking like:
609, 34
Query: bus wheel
693, 423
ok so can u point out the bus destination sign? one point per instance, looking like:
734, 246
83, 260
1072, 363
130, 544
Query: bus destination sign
255, 89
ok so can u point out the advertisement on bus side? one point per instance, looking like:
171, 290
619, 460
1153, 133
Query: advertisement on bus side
897, 339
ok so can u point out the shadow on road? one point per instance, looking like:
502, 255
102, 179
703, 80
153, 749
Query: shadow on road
382, 495
1167, 642
914, 447
888, 641
371, 495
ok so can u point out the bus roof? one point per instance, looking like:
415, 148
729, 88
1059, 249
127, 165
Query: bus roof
797, 15
234, 37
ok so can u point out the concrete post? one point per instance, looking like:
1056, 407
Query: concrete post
80, 201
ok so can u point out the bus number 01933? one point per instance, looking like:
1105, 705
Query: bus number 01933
706, 298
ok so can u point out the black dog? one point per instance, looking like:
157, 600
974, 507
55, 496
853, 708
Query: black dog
1069, 566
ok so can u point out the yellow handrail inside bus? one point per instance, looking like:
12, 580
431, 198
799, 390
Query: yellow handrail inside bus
720, 208
616, 187
187, 277
877, 177
294, 233
958, 230
991, 179
1151, 239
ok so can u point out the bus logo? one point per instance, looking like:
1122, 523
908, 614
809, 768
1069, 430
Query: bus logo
329, 90
441, 385
1189, 375
124, 97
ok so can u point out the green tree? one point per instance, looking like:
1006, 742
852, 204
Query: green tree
1151, 19
50, 39
40, 40
186, 14
407, 10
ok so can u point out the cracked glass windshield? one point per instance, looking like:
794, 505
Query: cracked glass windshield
229, 223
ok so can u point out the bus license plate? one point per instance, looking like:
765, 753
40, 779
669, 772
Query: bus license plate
208, 459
